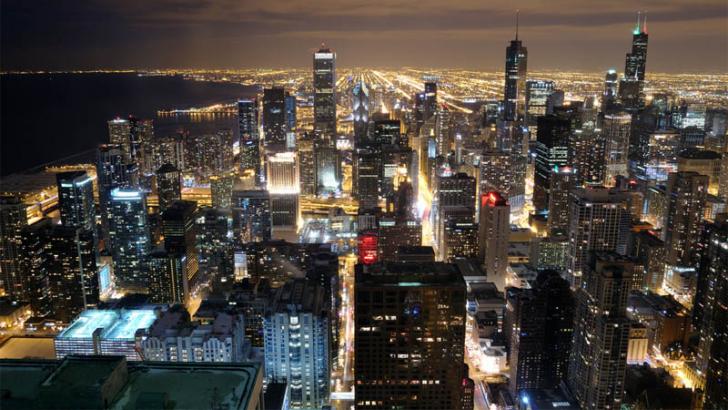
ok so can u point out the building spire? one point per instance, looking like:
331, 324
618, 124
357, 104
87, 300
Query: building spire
644, 23
517, 12
638, 26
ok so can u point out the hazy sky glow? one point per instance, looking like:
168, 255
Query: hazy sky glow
685, 35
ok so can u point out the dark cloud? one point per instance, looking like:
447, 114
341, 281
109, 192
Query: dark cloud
685, 35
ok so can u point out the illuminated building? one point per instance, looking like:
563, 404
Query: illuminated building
694, 117
452, 191
170, 150
686, 193
662, 151
307, 165
112, 172
609, 96
562, 180
249, 136
409, 335
495, 172
168, 281
515, 80
180, 235
631, 87
130, 238
616, 130
105, 333
460, 234
221, 189
169, 186
251, 215
429, 106
282, 171
209, 154
368, 248
537, 92
76, 200
324, 97
601, 334
284, 210
493, 234
366, 179
541, 320
394, 232
549, 253
712, 358
704, 163
214, 243
119, 134
296, 330
396, 168
290, 104
328, 169
274, 119
600, 221
360, 112
13, 218
638, 345
589, 160
650, 253
552, 151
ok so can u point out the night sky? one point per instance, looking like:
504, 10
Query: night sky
685, 36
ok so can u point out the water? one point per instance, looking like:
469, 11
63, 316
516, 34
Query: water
45, 117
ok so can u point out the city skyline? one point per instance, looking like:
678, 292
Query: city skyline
464, 35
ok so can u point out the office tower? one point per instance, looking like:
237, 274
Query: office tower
360, 112
601, 334
169, 186
458, 190
409, 325
554, 102
221, 189
562, 181
284, 211
542, 320
616, 130
297, 343
209, 154
119, 134
387, 132
663, 148
703, 162
686, 193
631, 87
609, 96
328, 169
282, 175
274, 119
537, 92
460, 234
307, 165
552, 152
180, 234
515, 83
712, 358
76, 200
495, 172
324, 97
589, 161
600, 221
13, 218
396, 168
694, 117
214, 243
394, 232
168, 282
250, 158
290, 103
112, 172
170, 149
493, 233
366, 179
650, 253
141, 134
252, 215
130, 238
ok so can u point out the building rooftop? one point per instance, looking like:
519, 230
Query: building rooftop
121, 324
405, 274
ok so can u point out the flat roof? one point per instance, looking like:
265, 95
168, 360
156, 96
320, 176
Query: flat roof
87, 322
28, 348
121, 324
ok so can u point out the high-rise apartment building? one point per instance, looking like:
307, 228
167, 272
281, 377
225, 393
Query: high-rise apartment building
130, 238
493, 234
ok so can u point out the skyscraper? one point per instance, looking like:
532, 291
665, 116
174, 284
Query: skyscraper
409, 326
251, 215
130, 239
274, 119
493, 234
13, 218
360, 112
168, 282
250, 159
600, 221
76, 200
552, 149
169, 186
515, 82
616, 129
221, 189
601, 333
324, 97
296, 330
537, 92
631, 87
609, 96
542, 320
686, 193
180, 235
562, 181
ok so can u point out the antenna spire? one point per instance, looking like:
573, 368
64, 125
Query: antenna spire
637, 29
644, 23
517, 12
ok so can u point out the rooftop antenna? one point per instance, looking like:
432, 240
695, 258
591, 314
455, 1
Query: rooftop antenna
644, 23
517, 12
637, 29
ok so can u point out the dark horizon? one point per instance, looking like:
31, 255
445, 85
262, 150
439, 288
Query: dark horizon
686, 37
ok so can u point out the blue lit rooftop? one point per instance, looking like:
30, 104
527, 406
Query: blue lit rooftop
116, 324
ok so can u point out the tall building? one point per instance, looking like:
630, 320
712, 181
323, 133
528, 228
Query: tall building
616, 129
631, 87
307, 165
250, 159
429, 106
686, 194
493, 234
291, 119
609, 96
296, 330
324, 97
282, 175
130, 238
589, 158
168, 282
214, 243
274, 119
169, 186
180, 235
514, 94
409, 325
76, 200
366, 179
458, 190
328, 169
562, 181
251, 215
209, 154
537, 92
13, 218
601, 333
221, 189
542, 320
111, 172
119, 134
360, 112
600, 221
552, 149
